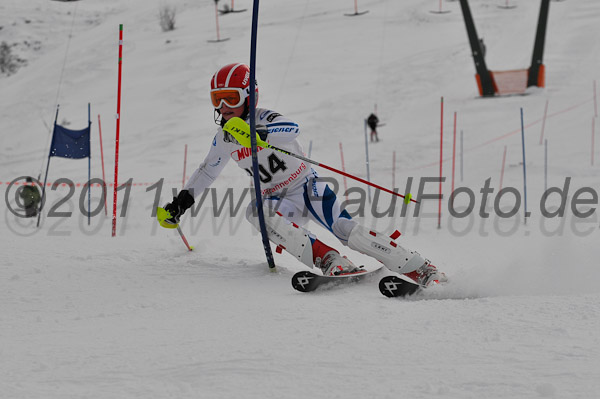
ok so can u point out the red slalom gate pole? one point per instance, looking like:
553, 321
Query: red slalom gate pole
544, 123
102, 161
184, 165
502, 170
217, 21
394, 170
595, 101
114, 217
441, 160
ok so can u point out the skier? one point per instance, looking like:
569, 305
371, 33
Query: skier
291, 187
372, 121
30, 195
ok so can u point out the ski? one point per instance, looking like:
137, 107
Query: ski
307, 281
393, 286
228, 11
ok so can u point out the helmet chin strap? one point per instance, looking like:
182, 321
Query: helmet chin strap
218, 118
244, 115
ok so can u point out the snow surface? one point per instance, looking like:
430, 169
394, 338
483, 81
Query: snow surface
85, 315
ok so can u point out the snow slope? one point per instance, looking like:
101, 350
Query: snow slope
85, 315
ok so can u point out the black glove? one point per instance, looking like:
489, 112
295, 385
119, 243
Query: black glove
228, 138
180, 204
262, 132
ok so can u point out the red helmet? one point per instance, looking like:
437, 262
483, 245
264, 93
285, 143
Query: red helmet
231, 85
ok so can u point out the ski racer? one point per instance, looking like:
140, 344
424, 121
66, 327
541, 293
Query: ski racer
372, 121
292, 188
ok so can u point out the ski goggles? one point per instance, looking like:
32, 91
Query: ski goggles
233, 97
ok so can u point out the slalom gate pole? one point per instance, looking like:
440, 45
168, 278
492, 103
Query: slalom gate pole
544, 122
502, 169
344, 169
593, 138
253, 143
545, 165
394, 170
43, 200
441, 158
524, 167
595, 101
461, 156
217, 20
118, 116
89, 165
453, 154
102, 161
367, 162
184, 166
440, 12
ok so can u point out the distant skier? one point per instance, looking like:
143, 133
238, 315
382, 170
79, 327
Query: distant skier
30, 195
372, 121
291, 187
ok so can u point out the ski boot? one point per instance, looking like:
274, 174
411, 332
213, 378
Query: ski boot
427, 275
334, 264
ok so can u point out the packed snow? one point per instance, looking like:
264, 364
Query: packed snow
87, 315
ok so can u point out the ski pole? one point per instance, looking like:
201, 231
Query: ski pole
161, 215
185, 241
239, 129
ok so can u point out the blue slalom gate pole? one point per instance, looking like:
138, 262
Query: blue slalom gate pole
89, 165
524, 167
47, 168
255, 172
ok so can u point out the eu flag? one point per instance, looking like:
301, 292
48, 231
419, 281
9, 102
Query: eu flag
67, 143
